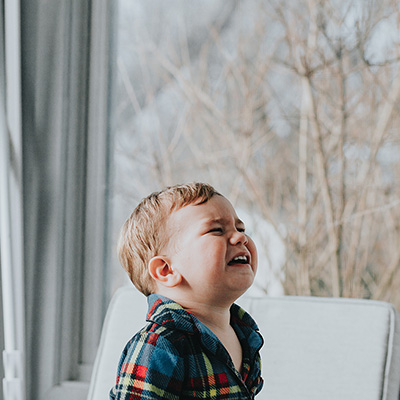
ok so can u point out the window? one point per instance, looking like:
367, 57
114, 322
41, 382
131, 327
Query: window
278, 105
182, 114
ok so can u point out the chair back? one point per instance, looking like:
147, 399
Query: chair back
315, 348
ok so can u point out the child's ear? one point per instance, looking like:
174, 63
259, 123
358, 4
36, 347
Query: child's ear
162, 272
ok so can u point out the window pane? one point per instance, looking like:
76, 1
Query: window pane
181, 114
276, 105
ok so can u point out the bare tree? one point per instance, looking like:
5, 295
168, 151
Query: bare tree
294, 116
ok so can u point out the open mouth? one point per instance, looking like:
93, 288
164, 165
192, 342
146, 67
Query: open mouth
239, 260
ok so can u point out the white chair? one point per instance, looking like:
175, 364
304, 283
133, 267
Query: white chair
315, 348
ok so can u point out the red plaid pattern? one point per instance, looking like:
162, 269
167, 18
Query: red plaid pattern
177, 357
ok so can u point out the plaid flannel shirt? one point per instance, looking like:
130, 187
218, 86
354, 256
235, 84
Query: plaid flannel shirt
175, 356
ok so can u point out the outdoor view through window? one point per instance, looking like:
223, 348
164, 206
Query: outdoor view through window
288, 108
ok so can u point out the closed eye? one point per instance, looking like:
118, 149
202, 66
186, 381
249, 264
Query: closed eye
217, 230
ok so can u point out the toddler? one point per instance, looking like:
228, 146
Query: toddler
187, 251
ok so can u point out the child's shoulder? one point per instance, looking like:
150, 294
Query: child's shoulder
155, 345
154, 335
169, 329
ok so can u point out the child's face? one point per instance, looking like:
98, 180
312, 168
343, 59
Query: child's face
209, 248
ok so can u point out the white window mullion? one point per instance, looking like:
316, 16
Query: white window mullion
11, 235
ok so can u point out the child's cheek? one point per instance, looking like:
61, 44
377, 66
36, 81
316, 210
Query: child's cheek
253, 251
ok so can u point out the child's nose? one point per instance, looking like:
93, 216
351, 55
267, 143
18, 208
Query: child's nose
239, 238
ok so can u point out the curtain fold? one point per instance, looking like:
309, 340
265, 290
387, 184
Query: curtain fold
57, 39
43, 87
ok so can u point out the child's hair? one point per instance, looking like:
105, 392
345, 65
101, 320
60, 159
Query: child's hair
143, 234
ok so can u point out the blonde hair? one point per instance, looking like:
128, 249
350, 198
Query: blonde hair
143, 235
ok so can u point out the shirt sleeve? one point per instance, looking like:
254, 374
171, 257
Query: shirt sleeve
150, 368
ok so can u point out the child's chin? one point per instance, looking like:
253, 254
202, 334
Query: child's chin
244, 284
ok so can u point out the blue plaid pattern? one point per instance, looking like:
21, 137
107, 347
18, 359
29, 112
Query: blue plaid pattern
175, 356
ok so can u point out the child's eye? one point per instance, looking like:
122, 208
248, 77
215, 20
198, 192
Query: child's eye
241, 230
218, 230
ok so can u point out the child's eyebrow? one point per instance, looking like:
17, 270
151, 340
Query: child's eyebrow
222, 220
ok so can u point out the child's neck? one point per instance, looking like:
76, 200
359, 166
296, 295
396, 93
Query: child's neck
214, 317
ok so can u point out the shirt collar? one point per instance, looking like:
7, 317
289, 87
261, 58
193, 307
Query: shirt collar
166, 312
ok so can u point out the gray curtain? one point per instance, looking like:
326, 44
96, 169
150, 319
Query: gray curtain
62, 94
